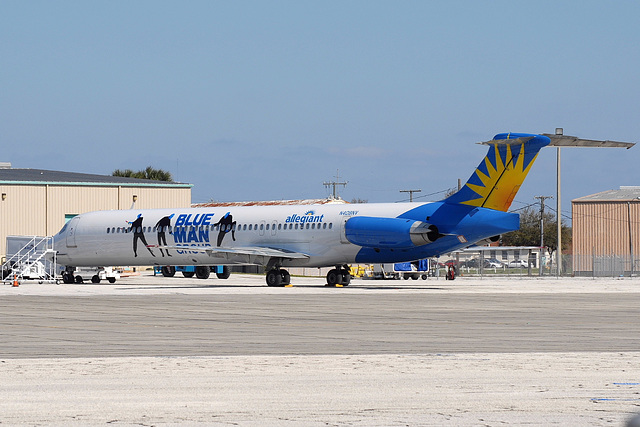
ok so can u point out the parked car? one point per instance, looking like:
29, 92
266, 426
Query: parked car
518, 263
471, 263
486, 263
492, 263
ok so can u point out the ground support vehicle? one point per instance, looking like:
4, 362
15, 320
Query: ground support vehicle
29, 258
93, 274
414, 270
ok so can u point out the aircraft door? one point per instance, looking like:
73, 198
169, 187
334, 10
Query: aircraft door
343, 231
274, 224
71, 232
263, 225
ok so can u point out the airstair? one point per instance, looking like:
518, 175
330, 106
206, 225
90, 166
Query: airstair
30, 258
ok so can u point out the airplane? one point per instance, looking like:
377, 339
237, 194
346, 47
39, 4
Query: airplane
329, 235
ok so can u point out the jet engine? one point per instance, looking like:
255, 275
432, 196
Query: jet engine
397, 233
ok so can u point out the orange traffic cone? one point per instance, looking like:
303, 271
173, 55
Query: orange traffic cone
15, 281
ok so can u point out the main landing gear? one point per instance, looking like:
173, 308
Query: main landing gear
339, 276
278, 277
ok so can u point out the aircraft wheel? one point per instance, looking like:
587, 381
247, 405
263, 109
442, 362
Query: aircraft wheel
346, 278
79, 279
286, 277
95, 279
225, 273
274, 278
67, 278
203, 272
168, 271
188, 274
334, 277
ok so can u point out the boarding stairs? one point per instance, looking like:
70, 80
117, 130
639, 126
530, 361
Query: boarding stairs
36, 260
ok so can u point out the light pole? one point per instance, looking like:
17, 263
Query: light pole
559, 131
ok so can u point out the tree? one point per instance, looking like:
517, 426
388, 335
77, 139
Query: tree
529, 232
148, 173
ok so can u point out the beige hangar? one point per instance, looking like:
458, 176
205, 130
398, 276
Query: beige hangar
35, 202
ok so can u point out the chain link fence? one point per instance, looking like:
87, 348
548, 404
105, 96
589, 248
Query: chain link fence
605, 265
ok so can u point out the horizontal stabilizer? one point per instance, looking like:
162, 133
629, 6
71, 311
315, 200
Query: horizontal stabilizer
574, 141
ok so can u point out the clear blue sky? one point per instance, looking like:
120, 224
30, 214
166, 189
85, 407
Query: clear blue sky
259, 100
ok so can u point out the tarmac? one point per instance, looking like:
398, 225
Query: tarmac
174, 351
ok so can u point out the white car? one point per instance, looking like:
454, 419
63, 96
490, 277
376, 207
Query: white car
518, 263
492, 263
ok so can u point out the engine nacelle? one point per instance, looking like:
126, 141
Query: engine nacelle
397, 233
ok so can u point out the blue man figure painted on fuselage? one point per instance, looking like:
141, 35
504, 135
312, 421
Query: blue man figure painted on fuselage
136, 228
226, 224
162, 226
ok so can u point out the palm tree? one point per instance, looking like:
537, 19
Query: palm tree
148, 173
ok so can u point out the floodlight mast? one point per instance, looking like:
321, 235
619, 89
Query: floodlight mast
559, 139
559, 131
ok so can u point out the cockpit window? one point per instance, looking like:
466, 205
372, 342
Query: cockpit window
64, 227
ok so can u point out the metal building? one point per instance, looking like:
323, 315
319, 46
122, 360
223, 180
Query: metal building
606, 233
36, 202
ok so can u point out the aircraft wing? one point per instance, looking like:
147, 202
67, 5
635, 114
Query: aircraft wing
258, 251
248, 251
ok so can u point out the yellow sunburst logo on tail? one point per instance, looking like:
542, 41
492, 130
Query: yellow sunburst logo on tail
497, 179
502, 182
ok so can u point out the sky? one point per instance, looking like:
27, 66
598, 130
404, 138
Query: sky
266, 100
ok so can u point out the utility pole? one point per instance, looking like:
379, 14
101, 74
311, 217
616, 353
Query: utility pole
335, 184
630, 237
542, 199
410, 193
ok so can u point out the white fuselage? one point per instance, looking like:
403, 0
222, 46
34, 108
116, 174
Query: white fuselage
108, 237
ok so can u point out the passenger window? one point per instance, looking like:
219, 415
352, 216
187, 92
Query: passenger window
267, 226
296, 226
313, 226
330, 225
